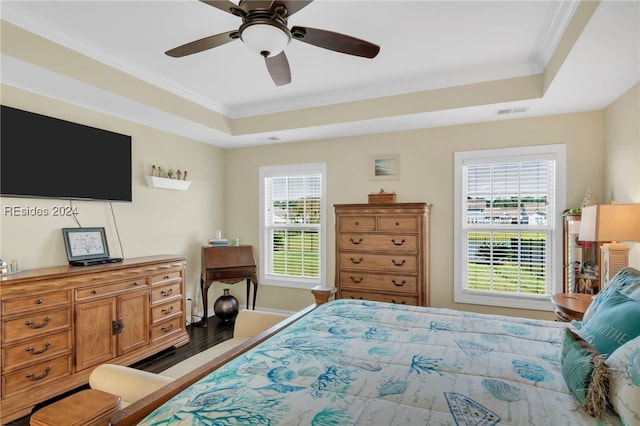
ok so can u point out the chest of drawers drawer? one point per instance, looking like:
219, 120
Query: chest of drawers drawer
36, 324
36, 350
88, 293
166, 329
165, 310
394, 263
36, 302
357, 223
379, 242
161, 293
166, 277
379, 297
36, 375
378, 282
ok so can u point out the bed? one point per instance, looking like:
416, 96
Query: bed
368, 363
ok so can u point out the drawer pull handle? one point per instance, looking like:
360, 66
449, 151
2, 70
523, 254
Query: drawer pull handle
357, 298
356, 280
167, 311
34, 378
39, 302
398, 284
395, 243
356, 242
356, 261
34, 325
167, 329
401, 303
41, 351
398, 264
166, 293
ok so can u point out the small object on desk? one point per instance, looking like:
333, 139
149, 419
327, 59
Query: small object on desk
570, 306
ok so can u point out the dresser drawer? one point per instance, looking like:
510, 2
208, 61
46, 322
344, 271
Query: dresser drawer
88, 293
390, 243
378, 297
36, 375
398, 223
166, 277
354, 280
391, 263
36, 301
35, 324
36, 350
357, 223
167, 328
165, 292
166, 310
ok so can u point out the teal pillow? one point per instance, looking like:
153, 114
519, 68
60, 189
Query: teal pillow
585, 374
616, 321
626, 281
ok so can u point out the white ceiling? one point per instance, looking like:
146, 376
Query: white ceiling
425, 46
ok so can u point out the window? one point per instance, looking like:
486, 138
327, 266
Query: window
292, 226
507, 231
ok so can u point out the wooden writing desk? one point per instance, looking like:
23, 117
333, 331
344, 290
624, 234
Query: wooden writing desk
227, 265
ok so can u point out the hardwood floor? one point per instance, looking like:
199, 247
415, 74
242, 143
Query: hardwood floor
200, 339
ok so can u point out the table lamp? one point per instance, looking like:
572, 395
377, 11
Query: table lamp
612, 223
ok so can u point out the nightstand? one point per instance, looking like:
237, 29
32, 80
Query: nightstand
570, 306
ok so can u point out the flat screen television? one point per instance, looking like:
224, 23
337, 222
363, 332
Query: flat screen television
45, 157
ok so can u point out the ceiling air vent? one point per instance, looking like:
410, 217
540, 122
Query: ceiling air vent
515, 110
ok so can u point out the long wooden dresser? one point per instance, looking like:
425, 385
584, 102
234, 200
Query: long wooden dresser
382, 252
59, 323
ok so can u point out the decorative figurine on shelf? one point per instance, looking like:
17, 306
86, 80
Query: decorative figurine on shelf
154, 172
226, 306
185, 175
170, 174
179, 175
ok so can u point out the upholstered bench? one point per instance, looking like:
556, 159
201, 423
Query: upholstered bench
88, 407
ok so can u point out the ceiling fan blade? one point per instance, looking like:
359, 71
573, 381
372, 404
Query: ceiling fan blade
278, 67
224, 5
335, 41
203, 44
292, 6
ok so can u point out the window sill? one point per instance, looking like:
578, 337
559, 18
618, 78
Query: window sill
538, 303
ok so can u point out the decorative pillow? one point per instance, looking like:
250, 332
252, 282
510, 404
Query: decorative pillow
624, 375
585, 373
626, 281
616, 321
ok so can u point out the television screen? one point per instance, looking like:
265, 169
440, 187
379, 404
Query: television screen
45, 157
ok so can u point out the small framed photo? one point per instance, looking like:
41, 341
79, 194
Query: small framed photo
384, 167
85, 243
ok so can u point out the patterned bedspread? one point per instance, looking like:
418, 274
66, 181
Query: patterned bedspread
367, 363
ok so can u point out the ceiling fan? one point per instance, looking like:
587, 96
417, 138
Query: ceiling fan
264, 30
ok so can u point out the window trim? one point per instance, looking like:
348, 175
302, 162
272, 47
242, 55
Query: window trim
289, 170
463, 295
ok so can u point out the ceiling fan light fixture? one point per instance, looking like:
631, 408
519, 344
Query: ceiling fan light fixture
265, 37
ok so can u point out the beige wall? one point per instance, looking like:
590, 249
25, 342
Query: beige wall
158, 221
224, 192
426, 175
622, 155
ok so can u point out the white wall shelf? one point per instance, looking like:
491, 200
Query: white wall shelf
160, 182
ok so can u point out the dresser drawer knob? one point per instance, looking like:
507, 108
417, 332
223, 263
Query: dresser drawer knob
166, 311
31, 350
356, 242
34, 325
356, 261
357, 223
399, 284
356, 280
94, 291
166, 293
34, 378
39, 302
398, 264
397, 223
396, 243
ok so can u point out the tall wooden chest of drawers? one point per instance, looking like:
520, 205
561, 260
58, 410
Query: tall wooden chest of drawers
382, 252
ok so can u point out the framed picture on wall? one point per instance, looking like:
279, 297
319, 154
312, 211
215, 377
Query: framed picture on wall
384, 167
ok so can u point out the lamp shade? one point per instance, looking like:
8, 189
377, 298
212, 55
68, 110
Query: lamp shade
266, 38
610, 222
